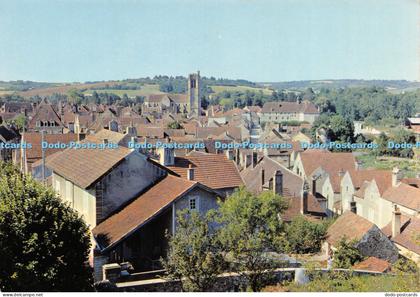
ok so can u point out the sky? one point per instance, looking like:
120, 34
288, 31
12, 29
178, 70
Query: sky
258, 40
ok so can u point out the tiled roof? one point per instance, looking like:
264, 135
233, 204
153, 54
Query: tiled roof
110, 136
383, 178
212, 170
150, 131
332, 163
413, 181
83, 167
150, 203
252, 177
35, 153
45, 112
404, 195
348, 225
7, 134
373, 264
214, 132
410, 233
314, 209
289, 107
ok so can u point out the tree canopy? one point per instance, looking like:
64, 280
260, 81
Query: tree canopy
44, 244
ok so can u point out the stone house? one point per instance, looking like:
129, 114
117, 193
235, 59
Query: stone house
369, 239
214, 171
323, 171
46, 119
278, 112
96, 182
269, 175
136, 233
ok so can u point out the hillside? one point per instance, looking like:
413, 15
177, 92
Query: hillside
159, 84
342, 83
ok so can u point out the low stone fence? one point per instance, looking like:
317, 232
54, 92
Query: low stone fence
227, 282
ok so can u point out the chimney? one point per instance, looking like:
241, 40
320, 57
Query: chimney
262, 178
358, 165
248, 160
229, 154
395, 176
341, 172
353, 207
278, 183
254, 159
190, 172
304, 198
396, 221
238, 153
166, 156
133, 140
313, 186
130, 130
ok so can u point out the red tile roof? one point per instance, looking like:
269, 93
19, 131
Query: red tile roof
284, 106
212, 170
332, 163
84, 167
405, 195
35, 153
383, 178
410, 233
348, 225
373, 264
141, 210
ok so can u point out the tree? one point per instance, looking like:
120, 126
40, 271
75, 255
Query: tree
194, 257
44, 244
304, 236
346, 254
174, 125
251, 228
20, 121
75, 96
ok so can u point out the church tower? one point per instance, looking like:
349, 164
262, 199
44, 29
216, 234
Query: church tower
194, 97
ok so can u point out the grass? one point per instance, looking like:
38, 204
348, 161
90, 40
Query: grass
335, 283
219, 89
6, 92
144, 91
410, 167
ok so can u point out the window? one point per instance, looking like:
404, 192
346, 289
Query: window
194, 203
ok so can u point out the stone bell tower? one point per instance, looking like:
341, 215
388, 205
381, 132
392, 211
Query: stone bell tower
194, 96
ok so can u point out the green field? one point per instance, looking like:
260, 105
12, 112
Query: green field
410, 167
219, 89
6, 92
144, 91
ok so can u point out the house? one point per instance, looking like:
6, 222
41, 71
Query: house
46, 119
323, 171
377, 197
31, 155
269, 175
214, 171
136, 232
404, 232
96, 182
9, 137
413, 124
281, 111
369, 239
354, 180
